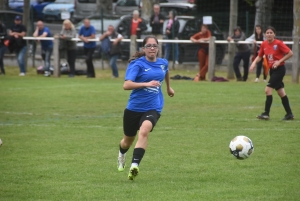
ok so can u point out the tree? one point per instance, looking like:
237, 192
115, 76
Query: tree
296, 45
105, 5
4, 5
147, 8
263, 13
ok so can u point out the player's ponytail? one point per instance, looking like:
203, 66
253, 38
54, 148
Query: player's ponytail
136, 56
141, 53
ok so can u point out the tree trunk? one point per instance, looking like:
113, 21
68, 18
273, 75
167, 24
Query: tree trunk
296, 45
3, 4
147, 8
106, 6
263, 13
231, 47
26, 23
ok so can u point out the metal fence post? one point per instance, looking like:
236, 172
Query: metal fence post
211, 58
56, 65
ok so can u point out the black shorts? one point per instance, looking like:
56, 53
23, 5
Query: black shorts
132, 121
276, 77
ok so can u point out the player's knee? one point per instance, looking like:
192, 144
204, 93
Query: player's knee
268, 91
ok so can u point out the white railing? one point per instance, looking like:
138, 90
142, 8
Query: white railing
159, 40
212, 50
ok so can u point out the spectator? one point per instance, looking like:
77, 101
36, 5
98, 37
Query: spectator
157, 22
243, 53
114, 47
46, 45
87, 32
172, 33
3, 35
257, 36
67, 46
202, 53
17, 32
136, 27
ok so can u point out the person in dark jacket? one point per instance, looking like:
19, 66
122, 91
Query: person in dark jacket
3, 35
157, 23
243, 53
136, 26
115, 48
16, 33
68, 46
172, 31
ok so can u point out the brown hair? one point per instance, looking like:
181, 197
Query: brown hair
142, 53
272, 28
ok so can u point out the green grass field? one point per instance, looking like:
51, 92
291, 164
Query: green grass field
60, 141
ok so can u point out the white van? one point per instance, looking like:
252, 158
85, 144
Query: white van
84, 8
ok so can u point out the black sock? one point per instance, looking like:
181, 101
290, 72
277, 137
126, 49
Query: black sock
286, 104
138, 154
268, 104
123, 151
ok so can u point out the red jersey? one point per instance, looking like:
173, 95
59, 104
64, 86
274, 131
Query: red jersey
273, 51
134, 26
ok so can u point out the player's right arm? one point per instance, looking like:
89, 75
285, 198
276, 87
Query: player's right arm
130, 85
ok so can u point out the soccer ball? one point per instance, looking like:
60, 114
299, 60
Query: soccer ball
241, 147
0, 142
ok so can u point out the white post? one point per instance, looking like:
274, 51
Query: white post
56, 56
211, 58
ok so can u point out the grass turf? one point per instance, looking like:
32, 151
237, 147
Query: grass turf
60, 142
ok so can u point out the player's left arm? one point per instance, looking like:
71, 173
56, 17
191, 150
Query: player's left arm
169, 89
288, 55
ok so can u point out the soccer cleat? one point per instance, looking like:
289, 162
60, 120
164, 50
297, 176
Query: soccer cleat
263, 116
256, 80
121, 163
288, 117
133, 172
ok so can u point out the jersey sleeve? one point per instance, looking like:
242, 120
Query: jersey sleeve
285, 49
261, 50
132, 71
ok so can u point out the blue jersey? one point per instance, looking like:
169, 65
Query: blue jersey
147, 98
46, 43
86, 32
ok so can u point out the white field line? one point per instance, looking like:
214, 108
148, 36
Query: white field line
159, 127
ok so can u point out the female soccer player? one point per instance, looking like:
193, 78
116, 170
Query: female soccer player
199, 37
144, 76
257, 36
276, 53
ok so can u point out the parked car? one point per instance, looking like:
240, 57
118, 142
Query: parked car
54, 11
184, 9
97, 23
37, 6
190, 25
84, 8
124, 7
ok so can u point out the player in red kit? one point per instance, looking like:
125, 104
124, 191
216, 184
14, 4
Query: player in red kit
276, 53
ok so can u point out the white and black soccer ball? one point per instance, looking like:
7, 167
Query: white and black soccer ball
241, 147
0, 142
